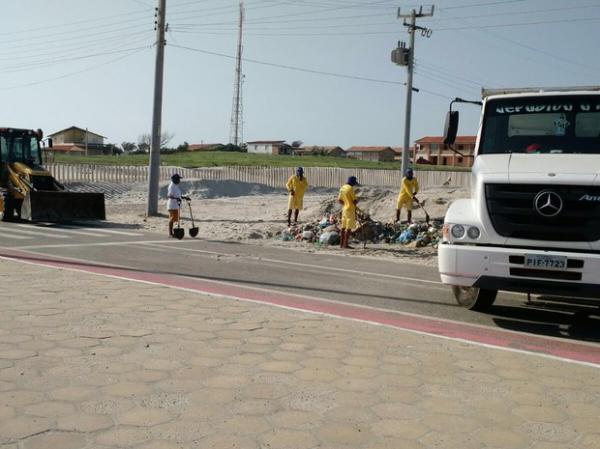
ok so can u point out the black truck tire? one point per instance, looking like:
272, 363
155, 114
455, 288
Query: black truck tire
474, 298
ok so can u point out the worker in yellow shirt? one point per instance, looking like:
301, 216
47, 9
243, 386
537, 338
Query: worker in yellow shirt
409, 188
347, 198
296, 186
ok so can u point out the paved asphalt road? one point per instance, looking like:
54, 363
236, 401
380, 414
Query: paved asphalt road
334, 276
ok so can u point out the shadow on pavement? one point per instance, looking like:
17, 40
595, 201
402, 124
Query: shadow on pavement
551, 318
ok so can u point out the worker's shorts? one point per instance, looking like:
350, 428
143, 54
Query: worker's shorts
173, 215
295, 202
405, 202
348, 219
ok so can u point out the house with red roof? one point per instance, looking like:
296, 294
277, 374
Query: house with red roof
433, 150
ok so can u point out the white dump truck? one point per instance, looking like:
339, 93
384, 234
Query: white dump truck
532, 224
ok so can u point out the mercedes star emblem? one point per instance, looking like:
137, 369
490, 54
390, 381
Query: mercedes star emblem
548, 203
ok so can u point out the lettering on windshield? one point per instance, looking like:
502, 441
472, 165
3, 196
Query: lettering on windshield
516, 109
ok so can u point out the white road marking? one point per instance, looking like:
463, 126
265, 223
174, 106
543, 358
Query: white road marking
39, 233
300, 264
84, 245
107, 231
12, 236
60, 230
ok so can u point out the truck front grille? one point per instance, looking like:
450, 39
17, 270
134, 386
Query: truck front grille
513, 212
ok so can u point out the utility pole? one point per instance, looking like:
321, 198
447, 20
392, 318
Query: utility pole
409, 60
236, 109
154, 164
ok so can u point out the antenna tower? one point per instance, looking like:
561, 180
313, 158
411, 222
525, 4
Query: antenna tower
236, 110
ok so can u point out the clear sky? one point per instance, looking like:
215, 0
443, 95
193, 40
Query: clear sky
90, 63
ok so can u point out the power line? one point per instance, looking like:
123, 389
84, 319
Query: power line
35, 83
302, 69
433, 67
505, 25
447, 78
85, 30
289, 67
476, 5
45, 28
512, 13
438, 80
18, 54
16, 68
553, 55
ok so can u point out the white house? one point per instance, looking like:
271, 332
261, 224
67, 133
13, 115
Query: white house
273, 147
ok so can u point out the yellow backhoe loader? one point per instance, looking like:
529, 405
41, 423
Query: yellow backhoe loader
31, 192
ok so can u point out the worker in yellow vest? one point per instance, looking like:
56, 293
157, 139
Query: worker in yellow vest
409, 187
347, 198
296, 186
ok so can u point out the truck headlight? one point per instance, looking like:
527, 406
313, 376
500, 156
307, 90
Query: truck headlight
474, 233
458, 231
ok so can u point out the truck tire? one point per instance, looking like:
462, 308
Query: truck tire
474, 298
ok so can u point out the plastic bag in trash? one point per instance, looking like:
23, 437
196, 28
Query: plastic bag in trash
406, 237
308, 235
329, 238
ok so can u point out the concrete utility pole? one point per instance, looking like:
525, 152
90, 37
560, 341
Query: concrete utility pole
154, 165
410, 62
236, 109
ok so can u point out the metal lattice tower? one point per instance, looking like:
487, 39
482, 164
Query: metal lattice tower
236, 109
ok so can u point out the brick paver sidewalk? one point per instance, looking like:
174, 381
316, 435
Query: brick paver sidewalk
94, 362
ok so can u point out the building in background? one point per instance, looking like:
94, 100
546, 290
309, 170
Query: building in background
433, 150
377, 154
316, 150
79, 141
272, 147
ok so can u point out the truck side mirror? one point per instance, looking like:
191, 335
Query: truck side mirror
451, 127
49, 142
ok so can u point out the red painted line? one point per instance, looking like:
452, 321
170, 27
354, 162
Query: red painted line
462, 331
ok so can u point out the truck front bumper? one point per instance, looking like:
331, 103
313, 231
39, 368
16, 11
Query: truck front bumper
498, 268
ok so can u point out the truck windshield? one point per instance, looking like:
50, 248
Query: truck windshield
557, 124
17, 147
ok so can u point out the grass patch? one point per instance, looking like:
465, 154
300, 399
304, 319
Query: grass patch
220, 159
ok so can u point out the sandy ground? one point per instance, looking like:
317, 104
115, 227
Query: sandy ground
256, 214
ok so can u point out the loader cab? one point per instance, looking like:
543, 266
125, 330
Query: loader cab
18, 145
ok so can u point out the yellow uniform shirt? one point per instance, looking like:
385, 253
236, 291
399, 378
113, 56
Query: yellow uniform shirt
298, 186
408, 188
348, 197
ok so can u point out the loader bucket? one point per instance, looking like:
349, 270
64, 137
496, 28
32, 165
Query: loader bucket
61, 206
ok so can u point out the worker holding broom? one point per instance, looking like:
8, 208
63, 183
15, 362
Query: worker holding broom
296, 186
409, 187
347, 198
174, 201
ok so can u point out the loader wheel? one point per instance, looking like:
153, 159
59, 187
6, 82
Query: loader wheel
474, 298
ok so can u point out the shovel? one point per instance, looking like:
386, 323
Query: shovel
179, 232
193, 230
427, 217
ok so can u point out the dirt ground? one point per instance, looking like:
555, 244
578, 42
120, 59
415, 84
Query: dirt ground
256, 214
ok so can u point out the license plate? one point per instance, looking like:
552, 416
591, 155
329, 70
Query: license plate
545, 262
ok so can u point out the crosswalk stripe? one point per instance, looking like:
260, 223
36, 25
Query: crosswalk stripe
15, 237
112, 231
66, 231
38, 233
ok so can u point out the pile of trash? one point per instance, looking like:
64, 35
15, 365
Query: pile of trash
327, 232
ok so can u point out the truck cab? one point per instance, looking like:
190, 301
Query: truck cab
532, 224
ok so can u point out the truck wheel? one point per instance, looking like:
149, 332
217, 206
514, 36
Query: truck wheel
474, 298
